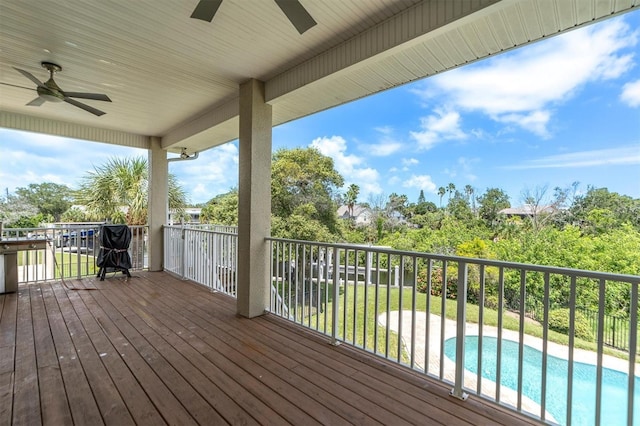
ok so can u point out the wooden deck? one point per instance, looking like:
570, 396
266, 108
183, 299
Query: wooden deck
157, 350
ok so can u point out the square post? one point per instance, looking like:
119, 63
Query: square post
158, 203
254, 200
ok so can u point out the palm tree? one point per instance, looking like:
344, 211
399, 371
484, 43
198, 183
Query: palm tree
117, 191
441, 192
351, 197
451, 188
468, 190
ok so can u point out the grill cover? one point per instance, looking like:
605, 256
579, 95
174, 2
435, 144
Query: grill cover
114, 245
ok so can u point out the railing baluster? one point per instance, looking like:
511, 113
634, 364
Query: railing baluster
480, 329
367, 277
601, 307
414, 309
499, 344
400, 306
388, 307
376, 310
633, 344
427, 329
461, 324
336, 303
355, 298
545, 354
523, 288
572, 325
345, 295
443, 315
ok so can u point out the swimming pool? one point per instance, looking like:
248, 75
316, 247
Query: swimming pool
614, 383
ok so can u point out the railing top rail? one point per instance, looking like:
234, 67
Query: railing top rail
632, 279
198, 229
66, 226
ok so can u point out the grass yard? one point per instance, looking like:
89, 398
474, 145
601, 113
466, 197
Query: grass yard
67, 264
363, 330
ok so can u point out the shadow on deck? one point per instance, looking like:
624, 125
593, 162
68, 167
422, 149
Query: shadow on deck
155, 350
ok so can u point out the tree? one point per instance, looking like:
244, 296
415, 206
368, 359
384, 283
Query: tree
117, 191
545, 208
16, 209
451, 188
303, 187
469, 191
491, 202
623, 208
397, 203
51, 199
459, 207
351, 197
421, 198
221, 209
74, 214
304, 180
441, 192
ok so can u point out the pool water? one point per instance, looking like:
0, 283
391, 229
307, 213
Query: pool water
614, 383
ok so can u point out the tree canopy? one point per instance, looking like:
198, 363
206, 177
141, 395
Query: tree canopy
304, 183
51, 199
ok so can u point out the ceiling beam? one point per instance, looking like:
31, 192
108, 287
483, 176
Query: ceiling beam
11, 120
407, 27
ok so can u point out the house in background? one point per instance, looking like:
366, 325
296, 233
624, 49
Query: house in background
528, 210
360, 215
192, 212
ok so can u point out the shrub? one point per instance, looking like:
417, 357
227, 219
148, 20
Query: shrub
559, 321
492, 302
436, 282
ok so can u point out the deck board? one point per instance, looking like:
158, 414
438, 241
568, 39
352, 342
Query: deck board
158, 350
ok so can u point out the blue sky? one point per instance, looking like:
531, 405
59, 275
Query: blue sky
563, 110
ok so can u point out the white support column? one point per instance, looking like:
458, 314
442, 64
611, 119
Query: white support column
158, 204
254, 200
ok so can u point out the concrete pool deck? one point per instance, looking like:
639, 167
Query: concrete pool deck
507, 395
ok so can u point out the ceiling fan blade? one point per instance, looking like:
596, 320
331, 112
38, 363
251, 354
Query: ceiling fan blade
85, 107
206, 9
15, 85
297, 14
94, 96
36, 102
29, 76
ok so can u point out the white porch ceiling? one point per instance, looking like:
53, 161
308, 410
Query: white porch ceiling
178, 78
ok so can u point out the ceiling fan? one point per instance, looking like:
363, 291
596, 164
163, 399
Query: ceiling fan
50, 91
297, 14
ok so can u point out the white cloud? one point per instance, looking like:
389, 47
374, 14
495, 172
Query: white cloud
349, 165
386, 145
336, 147
601, 157
631, 93
422, 182
382, 149
438, 127
535, 121
523, 86
410, 162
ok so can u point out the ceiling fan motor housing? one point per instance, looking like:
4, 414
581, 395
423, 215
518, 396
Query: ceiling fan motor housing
50, 91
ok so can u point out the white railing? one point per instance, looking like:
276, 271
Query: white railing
390, 302
208, 257
71, 251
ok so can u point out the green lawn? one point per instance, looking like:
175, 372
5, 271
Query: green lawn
360, 329
66, 263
